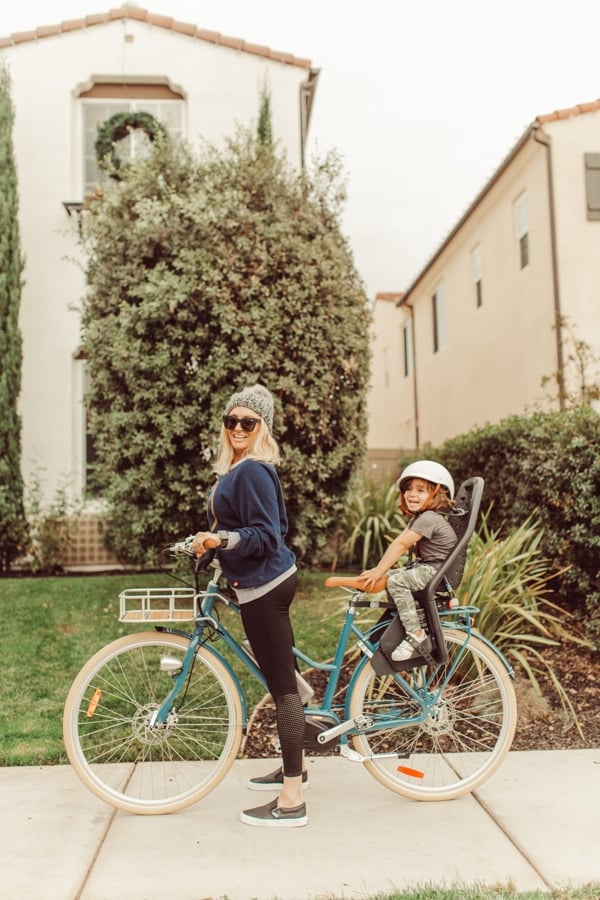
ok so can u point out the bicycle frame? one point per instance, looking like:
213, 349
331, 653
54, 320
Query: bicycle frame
367, 641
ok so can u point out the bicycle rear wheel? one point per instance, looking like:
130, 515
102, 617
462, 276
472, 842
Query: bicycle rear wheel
463, 740
120, 757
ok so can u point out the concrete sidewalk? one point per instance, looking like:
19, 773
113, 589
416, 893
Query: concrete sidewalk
534, 825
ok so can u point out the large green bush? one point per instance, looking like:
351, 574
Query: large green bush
548, 465
207, 274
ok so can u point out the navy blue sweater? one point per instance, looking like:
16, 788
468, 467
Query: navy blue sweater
249, 500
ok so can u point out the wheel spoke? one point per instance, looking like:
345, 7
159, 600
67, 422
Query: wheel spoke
459, 733
131, 763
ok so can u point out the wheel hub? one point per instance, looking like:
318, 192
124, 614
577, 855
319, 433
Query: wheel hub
151, 734
441, 718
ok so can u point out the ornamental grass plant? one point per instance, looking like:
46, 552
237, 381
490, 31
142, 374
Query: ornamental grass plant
509, 580
372, 519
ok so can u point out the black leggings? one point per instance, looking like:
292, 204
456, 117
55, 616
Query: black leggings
268, 628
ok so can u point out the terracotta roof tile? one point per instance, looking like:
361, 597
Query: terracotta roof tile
48, 30
142, 15
21, 37
571, 111
133, 12
186, 28
97, 19
159, 21
69, 25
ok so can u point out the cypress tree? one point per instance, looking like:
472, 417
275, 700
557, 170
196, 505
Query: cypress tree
13, 525
264, 129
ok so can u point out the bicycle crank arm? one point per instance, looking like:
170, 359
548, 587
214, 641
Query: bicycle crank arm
343, 727
354, 756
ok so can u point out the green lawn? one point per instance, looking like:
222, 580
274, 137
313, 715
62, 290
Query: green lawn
53, 625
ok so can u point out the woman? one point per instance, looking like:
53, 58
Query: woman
248, 524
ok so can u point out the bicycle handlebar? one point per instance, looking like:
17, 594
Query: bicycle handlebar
185, 548
352, 582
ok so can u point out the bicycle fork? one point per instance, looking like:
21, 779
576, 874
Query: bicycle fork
179, 670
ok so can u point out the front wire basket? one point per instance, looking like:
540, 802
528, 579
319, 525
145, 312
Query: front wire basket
156, 604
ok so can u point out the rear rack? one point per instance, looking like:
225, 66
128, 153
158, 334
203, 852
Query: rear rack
157, 604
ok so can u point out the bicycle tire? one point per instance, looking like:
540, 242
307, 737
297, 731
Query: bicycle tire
143, 770
463, 740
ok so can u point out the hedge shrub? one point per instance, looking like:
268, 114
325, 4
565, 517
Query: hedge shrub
547, 464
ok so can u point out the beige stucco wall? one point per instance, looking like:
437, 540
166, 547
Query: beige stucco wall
388, 413
221, 87
496, 355
578, 240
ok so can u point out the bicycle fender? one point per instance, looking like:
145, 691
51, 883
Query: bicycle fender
484, 640
495, 650
364, 661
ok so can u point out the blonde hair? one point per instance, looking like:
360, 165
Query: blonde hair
264, 449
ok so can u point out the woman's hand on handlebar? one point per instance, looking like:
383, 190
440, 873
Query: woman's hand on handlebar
205, 540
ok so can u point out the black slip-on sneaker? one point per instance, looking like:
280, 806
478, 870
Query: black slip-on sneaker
273, 781
273, 816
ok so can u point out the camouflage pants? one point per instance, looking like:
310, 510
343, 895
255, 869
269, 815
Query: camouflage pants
401, 583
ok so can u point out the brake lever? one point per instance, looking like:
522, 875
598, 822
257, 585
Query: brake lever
203, 562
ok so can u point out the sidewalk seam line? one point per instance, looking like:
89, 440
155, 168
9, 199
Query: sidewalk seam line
92, 863
513, 839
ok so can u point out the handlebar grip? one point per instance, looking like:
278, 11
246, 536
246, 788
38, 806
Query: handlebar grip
353, 582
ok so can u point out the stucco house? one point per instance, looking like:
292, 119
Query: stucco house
487, 328
67, 79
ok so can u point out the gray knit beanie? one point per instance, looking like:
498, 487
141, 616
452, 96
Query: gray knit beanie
257, 398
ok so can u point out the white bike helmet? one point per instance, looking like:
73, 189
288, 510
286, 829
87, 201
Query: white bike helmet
428, 470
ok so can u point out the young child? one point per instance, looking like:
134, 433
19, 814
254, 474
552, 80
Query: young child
426, 493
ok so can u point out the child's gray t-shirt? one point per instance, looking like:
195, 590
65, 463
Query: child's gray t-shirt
438, 538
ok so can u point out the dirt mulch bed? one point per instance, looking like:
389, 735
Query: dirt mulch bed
542, 722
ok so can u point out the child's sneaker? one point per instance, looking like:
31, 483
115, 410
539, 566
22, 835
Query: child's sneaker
412, 645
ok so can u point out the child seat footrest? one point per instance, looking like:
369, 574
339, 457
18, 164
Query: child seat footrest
382, 661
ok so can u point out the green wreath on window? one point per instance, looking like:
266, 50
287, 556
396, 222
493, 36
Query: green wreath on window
118, 127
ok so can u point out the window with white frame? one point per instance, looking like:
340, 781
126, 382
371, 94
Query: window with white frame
476, 270
438, 318
408, 347
522, 230
166, 107
592, 185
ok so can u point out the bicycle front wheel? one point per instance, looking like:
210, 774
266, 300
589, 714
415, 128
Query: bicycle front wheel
126, 760
463, 739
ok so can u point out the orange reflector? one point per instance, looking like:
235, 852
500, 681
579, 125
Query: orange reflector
414, 773
94, 703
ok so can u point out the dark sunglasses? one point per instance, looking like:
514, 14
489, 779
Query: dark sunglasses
247, 423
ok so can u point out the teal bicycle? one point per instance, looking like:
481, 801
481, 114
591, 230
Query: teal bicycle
154, 720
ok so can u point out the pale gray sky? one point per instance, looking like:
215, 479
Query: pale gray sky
422, 98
